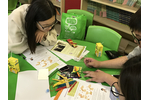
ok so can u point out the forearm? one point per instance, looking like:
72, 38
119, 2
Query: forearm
17, 45
109, 79
114, 63
17, 48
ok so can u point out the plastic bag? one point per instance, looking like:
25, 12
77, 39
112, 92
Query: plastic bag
73, 26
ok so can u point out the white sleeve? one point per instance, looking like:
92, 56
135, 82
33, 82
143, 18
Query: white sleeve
17, 41
136, 51
51, 38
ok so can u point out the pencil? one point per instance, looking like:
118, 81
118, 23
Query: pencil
72, 86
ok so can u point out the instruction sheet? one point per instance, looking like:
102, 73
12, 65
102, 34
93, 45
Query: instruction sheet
86, 91
65, 48
43, 59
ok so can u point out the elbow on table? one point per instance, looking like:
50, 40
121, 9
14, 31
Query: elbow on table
16, 50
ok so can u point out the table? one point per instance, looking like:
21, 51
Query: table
24, 65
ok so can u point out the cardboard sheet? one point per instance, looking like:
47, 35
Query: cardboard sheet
30, 88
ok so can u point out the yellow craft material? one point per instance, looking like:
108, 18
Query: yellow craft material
67, 83
99, 49
77, 70
60, 82
64, 80
13, 65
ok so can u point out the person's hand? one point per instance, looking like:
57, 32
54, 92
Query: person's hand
90, 62
40, 35
97, 76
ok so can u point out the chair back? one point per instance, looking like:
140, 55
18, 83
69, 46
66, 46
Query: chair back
12, 5
108, 37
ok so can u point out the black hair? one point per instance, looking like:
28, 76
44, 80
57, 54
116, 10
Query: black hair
130, 79
39, 10
135, 21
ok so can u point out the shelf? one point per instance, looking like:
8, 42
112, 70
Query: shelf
56, 3
113, 24
116, 5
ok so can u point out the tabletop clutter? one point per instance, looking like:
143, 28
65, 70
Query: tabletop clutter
67, 81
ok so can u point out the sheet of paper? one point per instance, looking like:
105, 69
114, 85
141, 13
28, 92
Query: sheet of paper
43, 59
91, 91
49, 47
86, 91
66, 57
81, 56
42, 74
65, 48
73, 91
64, 95
30, 88
62, 56
107, 96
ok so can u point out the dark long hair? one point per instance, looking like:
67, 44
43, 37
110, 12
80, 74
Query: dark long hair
130, 79
39, 10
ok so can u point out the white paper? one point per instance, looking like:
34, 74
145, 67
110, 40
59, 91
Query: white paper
64, 95
88, 91
67, 57
42, 74
43, 59
65, 48
49, 47
62, 56
30, 88
82, 55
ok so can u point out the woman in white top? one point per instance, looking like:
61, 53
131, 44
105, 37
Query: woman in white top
30, 24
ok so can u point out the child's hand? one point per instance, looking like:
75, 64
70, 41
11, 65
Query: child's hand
40, 35
97, 76
90, 62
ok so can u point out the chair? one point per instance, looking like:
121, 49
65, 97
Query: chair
108, 37
83, 12
12, 5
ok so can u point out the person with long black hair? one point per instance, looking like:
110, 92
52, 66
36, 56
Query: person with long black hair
30, 24
130, 80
